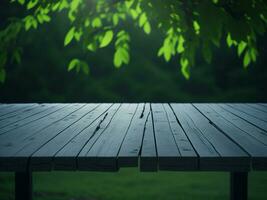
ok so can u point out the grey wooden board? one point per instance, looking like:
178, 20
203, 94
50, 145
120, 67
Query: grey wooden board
148, 156
7, 109
23, 114
253, 131
26, 131
41, 161
45, 112
3, 107
169, 156
105, 137
264, 104
223, 121
49, 150
258, 107
25, 135
130, 149
66, 158
259, 123
184, 145
215, 150
17, 113
250, 111
103, 154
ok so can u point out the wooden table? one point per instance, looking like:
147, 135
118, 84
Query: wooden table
105, 137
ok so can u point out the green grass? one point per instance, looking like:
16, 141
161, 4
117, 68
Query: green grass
133, 185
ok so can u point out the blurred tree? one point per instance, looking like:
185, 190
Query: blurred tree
188, 25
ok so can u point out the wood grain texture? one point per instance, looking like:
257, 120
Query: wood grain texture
103, 154
238, 131
216, 151
151, 136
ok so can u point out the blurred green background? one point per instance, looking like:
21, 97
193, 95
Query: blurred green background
43, 77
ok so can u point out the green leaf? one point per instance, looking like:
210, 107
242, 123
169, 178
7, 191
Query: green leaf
253, 54
180, 47
161, 51
86, 22
229, 40
40, 18
92, 47
241, 47
73, 63
84, 67
30, 21
142, 19
129, 3
147, 28
21, 2
46, 18
167, 53
63, 4
108, 36
2, 75
247, 59
185, 67
32, 3
96, 23
117, 59
134, 14
69, 36
196, 27
115, 19
121, 56
55, 6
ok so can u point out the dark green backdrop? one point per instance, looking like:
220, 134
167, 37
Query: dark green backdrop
43, 77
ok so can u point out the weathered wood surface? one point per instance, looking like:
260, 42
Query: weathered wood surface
105, 137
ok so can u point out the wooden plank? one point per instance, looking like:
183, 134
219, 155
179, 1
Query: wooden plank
215, 150
148, 156
256, 122
255, 148
184, 145
130, 149
5, 106
40, 161
5, 110
169, 157
258, 107
66, 158
248, 128
52, 108
29, 129
103, 154
15, 140
45, 154
250, 111
23, 114
200, 143
17, 113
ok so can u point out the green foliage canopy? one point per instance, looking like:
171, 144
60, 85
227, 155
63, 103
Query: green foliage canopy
188, 25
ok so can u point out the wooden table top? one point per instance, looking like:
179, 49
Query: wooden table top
106, 136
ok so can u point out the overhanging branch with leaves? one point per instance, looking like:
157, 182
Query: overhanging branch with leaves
188, 25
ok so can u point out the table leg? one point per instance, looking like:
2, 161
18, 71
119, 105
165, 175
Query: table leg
239, 186
23, 185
